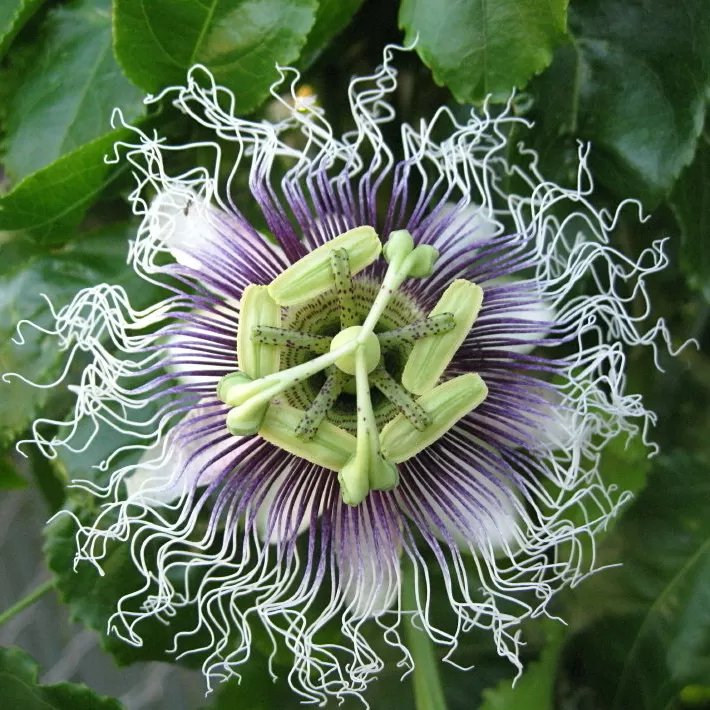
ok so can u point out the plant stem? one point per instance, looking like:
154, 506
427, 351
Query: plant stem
26, 601
426, 681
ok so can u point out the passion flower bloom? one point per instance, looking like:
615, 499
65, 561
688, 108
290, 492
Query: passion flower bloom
368, 356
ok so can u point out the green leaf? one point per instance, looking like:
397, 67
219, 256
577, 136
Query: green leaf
65, 98
535, 690
9, 477
93, 599
13, 15
240, 41
52, 201
332, 17
255, 691
479, 48
633, 82
691, 204
48, 479
28, 272
653, 635
20, 690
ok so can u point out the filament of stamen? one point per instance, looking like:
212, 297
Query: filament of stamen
340, 264
400, 398
295, 339
406, 335
325, 399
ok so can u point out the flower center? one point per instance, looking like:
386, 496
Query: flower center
337, 387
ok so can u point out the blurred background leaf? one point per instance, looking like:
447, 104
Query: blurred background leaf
28, 271
240, 41
480, 48
332, 16
633, 80
650, 636
691, 204
65, 96
21, 690
535, 689
50, 203
13, 15
10, 478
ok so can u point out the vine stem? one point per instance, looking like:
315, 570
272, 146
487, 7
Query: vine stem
28, 600
426, 681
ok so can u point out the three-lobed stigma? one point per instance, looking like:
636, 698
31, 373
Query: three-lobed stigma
352, 363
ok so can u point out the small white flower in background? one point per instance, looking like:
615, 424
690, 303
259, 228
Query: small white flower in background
398, 362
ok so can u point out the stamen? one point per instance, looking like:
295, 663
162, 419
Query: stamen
340, 264
294, 339
325, 399
400, 398
406, 335
445, 405
313, 274
355, 350
257, 308
330, 447
431, 356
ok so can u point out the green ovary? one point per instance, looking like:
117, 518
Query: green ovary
341, 352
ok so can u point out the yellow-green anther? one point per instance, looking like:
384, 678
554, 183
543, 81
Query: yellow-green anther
366, 343
313, 274
340, 265
406, 335
330, 447
247, 418
324, 400
400, 398
365, 473
421, 261
399, 246
412, 261
445, 405
257, 308
228, 382
383, 474
294, 339
237, 388
431, 356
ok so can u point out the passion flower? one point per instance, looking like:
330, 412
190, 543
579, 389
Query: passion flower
379, 349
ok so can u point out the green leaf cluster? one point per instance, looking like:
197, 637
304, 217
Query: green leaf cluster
630, 76
21, 690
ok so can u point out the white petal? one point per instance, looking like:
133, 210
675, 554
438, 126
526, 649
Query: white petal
281, 530
153, 475
473, 223
370, 581
537, 311
168, 469
180, 220
493, 527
